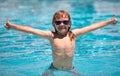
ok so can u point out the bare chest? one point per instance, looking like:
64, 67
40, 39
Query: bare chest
63, 46
63, 43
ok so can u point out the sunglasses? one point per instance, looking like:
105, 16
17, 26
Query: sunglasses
58, 22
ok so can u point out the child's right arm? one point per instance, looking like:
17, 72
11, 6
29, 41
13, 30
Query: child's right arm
45, 34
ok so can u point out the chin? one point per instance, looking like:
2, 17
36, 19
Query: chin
63, 32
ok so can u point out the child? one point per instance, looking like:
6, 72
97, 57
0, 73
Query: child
63, 39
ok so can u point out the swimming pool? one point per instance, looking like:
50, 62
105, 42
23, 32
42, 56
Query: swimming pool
96, 53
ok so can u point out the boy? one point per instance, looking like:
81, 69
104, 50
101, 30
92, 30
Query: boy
63, 39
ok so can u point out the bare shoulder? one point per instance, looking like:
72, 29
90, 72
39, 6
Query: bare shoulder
73, 31
50, 34
76, 32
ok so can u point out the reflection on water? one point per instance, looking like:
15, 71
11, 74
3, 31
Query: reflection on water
23, 54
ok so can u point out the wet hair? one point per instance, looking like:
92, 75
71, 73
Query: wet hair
63, 14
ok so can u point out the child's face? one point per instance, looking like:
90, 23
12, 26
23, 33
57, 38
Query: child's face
62, 25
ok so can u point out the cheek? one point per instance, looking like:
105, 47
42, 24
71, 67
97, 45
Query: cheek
56, 28
67, 26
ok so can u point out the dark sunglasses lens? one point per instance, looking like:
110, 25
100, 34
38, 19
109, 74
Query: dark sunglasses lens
57, 22
66, 22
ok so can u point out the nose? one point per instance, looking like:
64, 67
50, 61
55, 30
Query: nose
61, 24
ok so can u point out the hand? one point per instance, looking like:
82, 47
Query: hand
8, 24
114, 20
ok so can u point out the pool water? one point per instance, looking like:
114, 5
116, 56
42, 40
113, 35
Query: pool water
96, 53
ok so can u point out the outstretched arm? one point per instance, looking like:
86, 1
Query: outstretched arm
45, 34
95, 26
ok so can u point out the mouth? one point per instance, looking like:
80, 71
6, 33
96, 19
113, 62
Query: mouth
62, 27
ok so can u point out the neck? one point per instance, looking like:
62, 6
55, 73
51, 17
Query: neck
62, 34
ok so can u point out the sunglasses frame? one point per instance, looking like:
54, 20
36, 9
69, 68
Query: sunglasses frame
65, 22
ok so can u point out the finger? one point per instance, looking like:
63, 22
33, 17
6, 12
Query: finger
7, 27
4, 25
7, 20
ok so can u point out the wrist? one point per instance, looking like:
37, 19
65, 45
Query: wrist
110, 21
12, 25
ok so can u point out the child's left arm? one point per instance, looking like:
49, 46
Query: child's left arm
95, 26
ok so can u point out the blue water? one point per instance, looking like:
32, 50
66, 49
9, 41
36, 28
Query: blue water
96, 53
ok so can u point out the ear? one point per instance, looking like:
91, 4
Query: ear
69, 26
